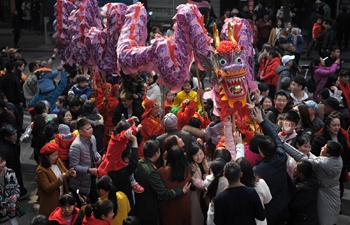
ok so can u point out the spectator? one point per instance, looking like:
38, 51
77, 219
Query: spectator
312, 107
225, 16
266, 103
84, 158
40, 220
245, 12
81, 88
75, 107
16, 27
277, 32
64, 139
344, 86
147, 205
187, 93
269, 75
305, 125
264, 29
318, 8
317, 30
26, 15
153, 90
30, 85
237, 198
36, 9
328, 38
280, 103
333, 56
297, 39
297, 87
284, 69
100, 213
344, 31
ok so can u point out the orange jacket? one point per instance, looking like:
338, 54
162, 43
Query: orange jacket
317, 30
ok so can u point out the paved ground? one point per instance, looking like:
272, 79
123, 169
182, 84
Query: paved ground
34, 48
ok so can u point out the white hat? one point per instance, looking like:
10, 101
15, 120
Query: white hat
170, 120
287, 58
318, 2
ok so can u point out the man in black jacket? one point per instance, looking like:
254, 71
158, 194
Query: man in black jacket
328, 38
10, 148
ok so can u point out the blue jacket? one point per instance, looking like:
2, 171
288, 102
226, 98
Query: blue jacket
78, 91
299, 42
46, 83
273, 171
51, 96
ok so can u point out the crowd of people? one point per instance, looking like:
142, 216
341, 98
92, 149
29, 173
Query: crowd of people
115, 150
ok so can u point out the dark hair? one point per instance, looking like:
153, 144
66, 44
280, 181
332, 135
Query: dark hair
190, 82
40, 220
285, 83
282, 26
82, 122
305, 167
281, 93
72, 70
75, 101
195, 148
150, 148
100, 208
305, 117
217, 169
334, 48
89, 106
61, 114
264, 98
280, 41
222, 153
155, 77
324, 93
344, 73
273, 53
334, 148
9, 65
178, 163
262, 86
267, 145
2, 155
19, 63
254, 144
39, 108
331, 80
50, 130
248, 178
63, 99
44, 162
302, 139
293, 117
121, 126
80, 78
131, 220
67, 199
300, 80
313, 63
194, 122
105, 183
334, 115
232, 171
32, 66
328, 22
169, 142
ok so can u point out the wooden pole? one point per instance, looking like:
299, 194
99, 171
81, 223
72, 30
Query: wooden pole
199, 85
164, 98
250, 102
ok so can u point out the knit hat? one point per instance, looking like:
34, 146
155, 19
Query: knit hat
63, 129
287, 58
49, 148
7, 130
84, 97
170, 120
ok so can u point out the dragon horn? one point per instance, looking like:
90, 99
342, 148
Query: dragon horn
230, 33
216, 35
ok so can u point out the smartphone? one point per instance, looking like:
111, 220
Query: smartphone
325, 58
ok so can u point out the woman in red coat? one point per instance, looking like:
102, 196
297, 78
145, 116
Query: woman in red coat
176, 173
151, 124
112, 102
269, 75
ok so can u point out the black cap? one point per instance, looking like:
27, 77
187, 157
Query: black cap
7, 130
334, 103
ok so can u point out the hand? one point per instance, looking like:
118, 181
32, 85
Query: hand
237, 137
200, 93
129, 135
135, 119
186, 101
82, 198
64, 176
139, 127
135, 96
93, 171
60, 68
186, 188
334, 88
337, 61
256, 94
200, 141
55, 51
256, 115
98, 161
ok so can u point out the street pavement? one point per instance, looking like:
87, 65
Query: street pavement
33, 48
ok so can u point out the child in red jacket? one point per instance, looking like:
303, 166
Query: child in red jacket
66, 211
317, 30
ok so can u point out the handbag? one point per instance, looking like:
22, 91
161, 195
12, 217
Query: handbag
20, 211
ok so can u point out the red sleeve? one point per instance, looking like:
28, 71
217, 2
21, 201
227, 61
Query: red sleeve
271, 70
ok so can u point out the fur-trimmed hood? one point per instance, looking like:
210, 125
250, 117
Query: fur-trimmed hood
95, 119
198, 133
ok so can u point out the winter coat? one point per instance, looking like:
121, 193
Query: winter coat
274, 33
11, 87
282, 71
11, 151
264, 30
321, 75
276, 177
196, 132
97, 123
10, 187
317, 30
299, 101
265, 196
79, 91
30, 87
297, 43
49, 187
328, 39
57, 218
51, 96
150, 126
153, 93
93, 221
269, 75
26, 9
64, 141
213, 132
182, 95
46, 83
328, 171
80, 159
303, 207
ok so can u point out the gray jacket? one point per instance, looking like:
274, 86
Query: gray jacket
80, 160
283, 71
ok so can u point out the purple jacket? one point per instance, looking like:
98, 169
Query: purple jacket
321, 75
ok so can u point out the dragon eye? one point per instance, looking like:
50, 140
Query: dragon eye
223, 62
238, 60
